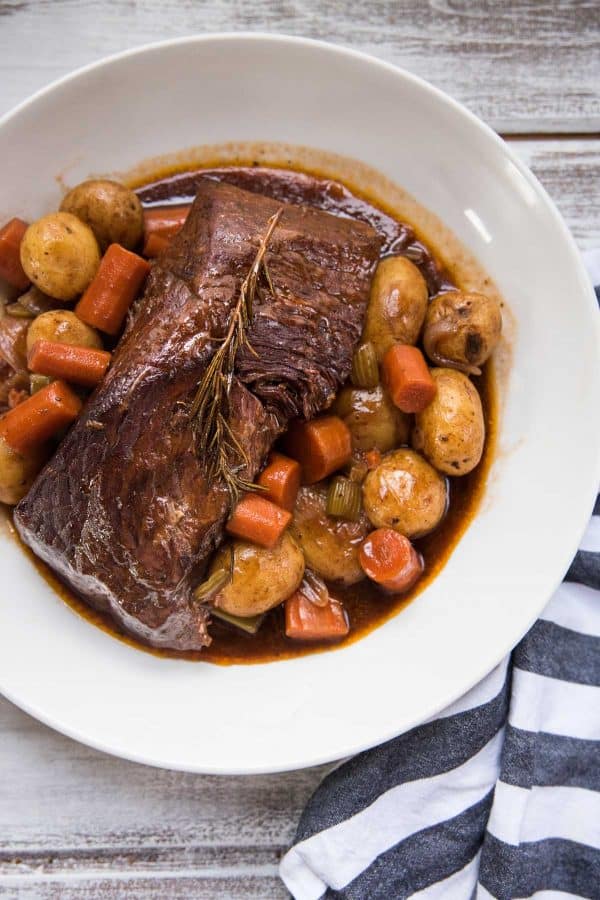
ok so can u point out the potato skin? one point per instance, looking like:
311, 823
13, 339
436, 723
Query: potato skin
397, 305
60, 255
451, 431
261, 579
373, 420
330, 546
462, 329
405, 493
17, 472
64, 327
112, 211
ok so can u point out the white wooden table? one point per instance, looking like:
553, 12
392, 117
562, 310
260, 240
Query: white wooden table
75, 823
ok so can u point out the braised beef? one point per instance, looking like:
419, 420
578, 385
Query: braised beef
397, 238
125, 512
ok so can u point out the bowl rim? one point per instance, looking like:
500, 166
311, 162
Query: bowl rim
578, 268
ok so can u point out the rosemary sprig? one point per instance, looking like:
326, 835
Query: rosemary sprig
214, 437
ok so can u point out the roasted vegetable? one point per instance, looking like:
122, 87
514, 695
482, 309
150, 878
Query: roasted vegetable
321, 446
115, 286
389, 559
249, 624
78, 365
374, 422
407, 378
11, 236
262, 578
18, 470
330, 546
343, 499
59, 253
63, 327
397, 305
450, 432
405, 493
461, 330
258, 520
281, 480
365, 370
112, 211
305, 621
33, 422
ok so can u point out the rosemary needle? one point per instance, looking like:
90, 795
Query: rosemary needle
215, 440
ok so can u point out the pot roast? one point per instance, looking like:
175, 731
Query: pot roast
126, 511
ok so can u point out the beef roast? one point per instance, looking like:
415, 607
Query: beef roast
125, 512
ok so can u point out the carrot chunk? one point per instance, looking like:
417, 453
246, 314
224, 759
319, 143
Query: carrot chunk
390, 559
10, 253
32, 422
407, 378
81, 365
165, 220
114, 288
305, 621
258, 520
154, 244
321, 446
372, 459
281, 478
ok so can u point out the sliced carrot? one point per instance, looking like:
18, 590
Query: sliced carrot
390, 559
281, 478
305, 621
321, 446
114, 288
154, 244
10, 253
32, 422
165, 220
407, 378
372, 458
258, 520
81, 365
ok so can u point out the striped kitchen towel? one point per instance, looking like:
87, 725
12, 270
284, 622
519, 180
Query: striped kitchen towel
498, 797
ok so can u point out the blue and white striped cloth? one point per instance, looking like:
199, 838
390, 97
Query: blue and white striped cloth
498, 797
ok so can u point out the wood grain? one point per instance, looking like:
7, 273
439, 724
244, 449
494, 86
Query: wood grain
76, 824
531, 65
570, 172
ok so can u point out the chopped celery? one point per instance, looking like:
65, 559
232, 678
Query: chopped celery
344, 499
250, 624
365, 371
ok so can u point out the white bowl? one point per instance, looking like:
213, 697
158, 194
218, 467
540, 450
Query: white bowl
285, 715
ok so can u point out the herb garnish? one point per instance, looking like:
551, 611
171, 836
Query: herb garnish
215, 440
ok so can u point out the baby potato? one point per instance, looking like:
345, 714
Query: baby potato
113, 212
60, 255
261, 578
64, 327
450, 432
374, 422
405, 493
397, 305
17, 472
461, 330
330, 546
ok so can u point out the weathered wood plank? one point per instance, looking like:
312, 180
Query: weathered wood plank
182, 886
86, 799
570, 172
523, 66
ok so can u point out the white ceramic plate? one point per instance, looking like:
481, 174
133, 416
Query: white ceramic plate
317, 708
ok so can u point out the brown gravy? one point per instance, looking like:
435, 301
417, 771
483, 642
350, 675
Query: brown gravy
367, 607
